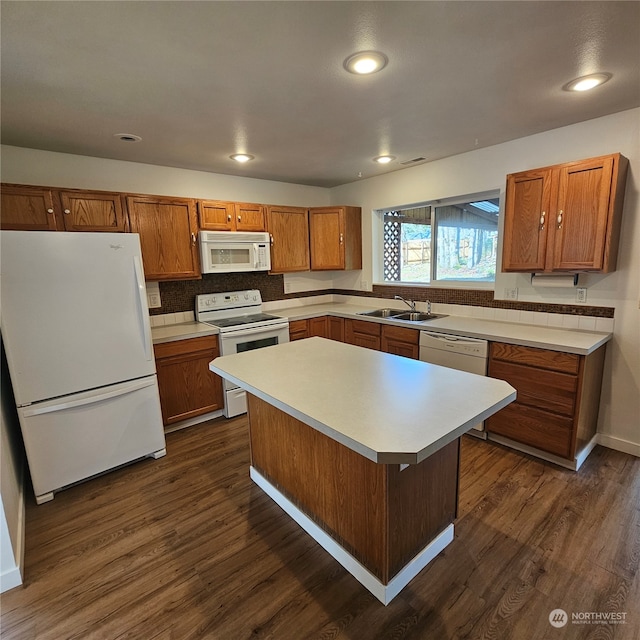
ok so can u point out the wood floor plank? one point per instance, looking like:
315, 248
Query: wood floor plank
187, 547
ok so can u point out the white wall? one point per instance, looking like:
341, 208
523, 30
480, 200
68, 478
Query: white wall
47, 168
485, 169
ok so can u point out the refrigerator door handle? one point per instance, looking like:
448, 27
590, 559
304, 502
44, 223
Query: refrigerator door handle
142, 293
121, 390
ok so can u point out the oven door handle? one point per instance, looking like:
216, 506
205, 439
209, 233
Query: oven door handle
251, 332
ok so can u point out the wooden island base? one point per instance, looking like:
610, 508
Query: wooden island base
382, 522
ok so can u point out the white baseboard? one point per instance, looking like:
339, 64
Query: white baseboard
384, 592
619, 444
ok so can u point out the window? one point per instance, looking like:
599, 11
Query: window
452, 240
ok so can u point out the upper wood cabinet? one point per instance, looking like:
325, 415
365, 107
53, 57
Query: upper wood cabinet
92, 211
289, 230
216, 215
565, 217
168, 229
27, 208
335, 238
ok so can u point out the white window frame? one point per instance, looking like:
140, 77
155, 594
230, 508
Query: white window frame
434, 283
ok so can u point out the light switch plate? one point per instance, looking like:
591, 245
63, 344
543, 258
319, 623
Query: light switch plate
153, 295
581, 294
511, 294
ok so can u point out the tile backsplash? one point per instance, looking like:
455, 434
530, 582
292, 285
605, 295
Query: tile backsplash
178, 297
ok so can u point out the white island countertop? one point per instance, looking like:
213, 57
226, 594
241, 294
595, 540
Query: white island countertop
388, 408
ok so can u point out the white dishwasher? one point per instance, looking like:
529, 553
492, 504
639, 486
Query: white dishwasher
456, 352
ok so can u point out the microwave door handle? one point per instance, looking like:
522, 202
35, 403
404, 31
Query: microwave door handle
255, 255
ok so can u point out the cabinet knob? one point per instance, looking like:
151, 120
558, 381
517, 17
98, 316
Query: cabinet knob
229, 218
193, 239
341, 238
49, 210
542, 218
271, 239
67, 211
239, 218
560, 219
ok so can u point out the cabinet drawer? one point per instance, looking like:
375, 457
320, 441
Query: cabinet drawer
361, 326
400, 334
534, 427
191, 345
548, 390
542, 358
298, 329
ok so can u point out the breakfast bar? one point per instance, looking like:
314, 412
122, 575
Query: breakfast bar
361, 448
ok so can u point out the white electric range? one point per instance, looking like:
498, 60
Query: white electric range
243, 326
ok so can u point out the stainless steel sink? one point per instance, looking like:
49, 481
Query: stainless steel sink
418, 316
381, 313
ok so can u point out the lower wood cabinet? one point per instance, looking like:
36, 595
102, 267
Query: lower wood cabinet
335, 328
362, 333
187, 387
323, 327
556, 409
400, 341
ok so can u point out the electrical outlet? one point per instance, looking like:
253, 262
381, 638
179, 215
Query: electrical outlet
364, 285
581, 294
287, 287
153, 299
511, 294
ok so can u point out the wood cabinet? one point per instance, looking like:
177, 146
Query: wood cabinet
92, 211
362, 333
168, 229
187, 387
26, 208
556, 409
289, 230
400, 341
566, 217
335, 328
216, 215
308, 328
335, 238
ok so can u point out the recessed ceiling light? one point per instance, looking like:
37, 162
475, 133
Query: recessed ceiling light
241, 157
585, 83
365, 62
127, 137
384, 159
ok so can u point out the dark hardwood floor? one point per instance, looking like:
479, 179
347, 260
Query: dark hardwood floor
187, 547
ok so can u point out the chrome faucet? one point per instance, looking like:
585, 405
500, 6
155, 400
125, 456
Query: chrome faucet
411, 304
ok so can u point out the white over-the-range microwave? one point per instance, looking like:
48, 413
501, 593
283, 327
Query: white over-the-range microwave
234, 251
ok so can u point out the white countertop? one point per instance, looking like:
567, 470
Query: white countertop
542, 337
388, 408
182, 331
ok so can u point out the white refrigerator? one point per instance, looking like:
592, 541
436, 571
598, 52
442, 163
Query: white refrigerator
76, 332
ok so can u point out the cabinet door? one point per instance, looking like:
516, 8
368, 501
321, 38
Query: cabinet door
216, 215
400, 341
526, 221
289, 229
168, 236
249, 217
327, 238
318, 327
188, 388
92, 211
581, 217
335, 328
27, 208
298, 329
362, 333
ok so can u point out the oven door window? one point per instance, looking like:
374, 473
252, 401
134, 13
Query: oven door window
249, 345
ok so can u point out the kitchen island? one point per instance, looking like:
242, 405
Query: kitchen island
361, 448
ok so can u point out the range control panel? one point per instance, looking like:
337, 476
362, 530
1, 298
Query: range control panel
228, 300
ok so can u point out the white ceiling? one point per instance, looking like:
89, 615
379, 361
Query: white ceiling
202, 80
